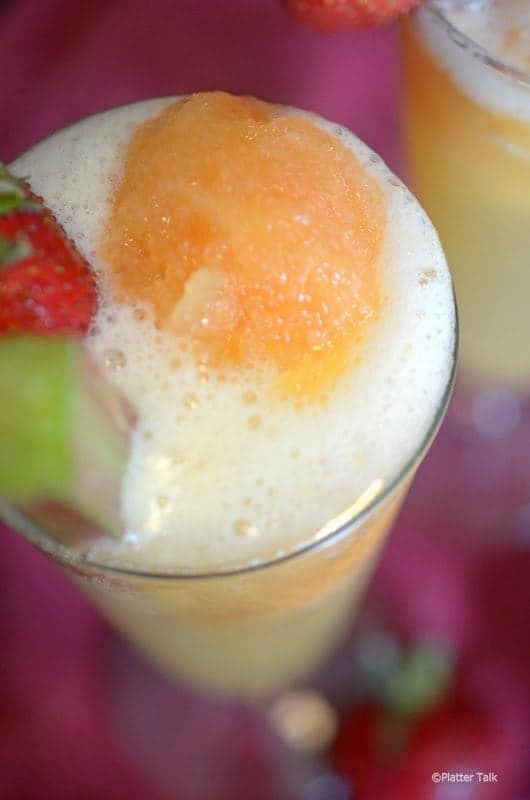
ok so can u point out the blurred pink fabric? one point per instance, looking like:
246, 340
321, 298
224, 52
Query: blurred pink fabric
63, 60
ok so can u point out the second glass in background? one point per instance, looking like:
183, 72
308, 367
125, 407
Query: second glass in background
466, 126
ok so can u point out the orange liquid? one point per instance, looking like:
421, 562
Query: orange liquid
470, 168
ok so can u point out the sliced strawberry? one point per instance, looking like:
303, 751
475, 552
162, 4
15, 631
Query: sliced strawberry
340, 15
45, 285
40, 294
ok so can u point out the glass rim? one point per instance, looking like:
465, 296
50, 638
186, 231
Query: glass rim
67, 557
73, 559
474, 48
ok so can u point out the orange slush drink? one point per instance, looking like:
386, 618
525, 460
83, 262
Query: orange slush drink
277, 309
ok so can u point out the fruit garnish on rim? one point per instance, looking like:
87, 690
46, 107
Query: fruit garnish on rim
45, 285
64, 430
344, 15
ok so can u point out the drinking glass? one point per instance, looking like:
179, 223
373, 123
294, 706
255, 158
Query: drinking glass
468, 161
251, 631
256, 634
246, 634
470, 167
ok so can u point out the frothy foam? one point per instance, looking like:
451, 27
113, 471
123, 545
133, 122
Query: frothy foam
501, 28
221, 474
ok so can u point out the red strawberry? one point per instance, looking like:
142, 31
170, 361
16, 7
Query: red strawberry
341, 15
412, 740
397, 760
45, 285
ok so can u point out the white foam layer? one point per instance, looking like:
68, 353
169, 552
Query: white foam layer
499, 29
220, 474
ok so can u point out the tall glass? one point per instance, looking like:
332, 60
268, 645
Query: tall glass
466, 139
469, 164
255, 630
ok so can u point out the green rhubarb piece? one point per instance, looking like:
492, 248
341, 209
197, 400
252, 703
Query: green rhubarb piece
63, 431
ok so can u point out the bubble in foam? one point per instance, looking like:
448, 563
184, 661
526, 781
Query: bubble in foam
427, 275
203, 373
249, 397
245, 528
191, 401
115, 359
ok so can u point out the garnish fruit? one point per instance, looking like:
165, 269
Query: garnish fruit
45, 284
64, 434
343, 15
